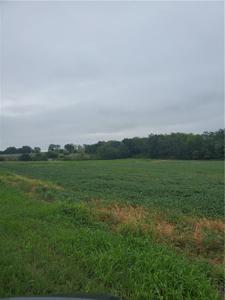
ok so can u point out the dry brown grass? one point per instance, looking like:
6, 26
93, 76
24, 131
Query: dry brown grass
189, 235
29, 185
116, 216
129, 214
164, 228
205, 226
216, 225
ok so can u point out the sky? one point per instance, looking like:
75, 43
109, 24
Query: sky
80, 72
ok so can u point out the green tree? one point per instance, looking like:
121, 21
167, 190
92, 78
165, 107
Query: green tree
54, 148
25, 149
25, 157
52, 154
69, 148
37, 150
10, 150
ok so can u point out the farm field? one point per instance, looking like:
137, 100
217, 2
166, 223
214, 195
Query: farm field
134, 228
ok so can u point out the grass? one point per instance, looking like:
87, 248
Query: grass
137, 229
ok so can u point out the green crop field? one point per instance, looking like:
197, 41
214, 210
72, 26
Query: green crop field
137, 229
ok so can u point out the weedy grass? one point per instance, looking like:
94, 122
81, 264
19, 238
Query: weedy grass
61, 233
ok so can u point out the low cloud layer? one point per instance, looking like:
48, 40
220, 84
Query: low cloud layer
87, 71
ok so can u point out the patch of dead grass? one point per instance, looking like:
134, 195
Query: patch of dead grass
126, 215
189, 235
164, 228
31, 186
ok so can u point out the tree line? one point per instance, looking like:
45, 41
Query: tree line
208, 145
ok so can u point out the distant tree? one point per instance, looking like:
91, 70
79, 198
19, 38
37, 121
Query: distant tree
54, 148
25, 149
207, 155
209, 145
37, 150
196, 154
69, 148
106, 151
112, 150
135, 146
40, 157
80, 148
10, 150
92, 149
218, 150
52, 154
25, 157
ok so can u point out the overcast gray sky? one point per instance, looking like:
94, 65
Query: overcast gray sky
87, 71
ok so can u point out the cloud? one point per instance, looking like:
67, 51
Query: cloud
85, 71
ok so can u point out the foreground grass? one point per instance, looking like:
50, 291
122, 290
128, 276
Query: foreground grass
60, 234
53, 248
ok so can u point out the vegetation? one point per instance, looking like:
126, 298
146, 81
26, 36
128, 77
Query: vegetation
209, 145
191, 187
135, 228
25, 157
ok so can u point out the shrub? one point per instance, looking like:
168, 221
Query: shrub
25, 157
52, 154
40, 157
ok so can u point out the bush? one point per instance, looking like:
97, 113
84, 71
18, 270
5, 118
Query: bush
25, 157
40, 157
52, 154
2, 158
76, 156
